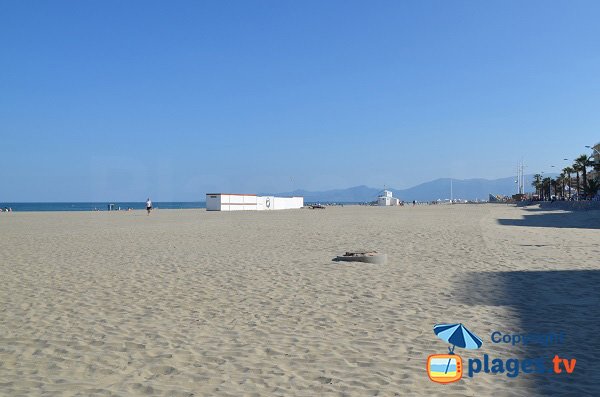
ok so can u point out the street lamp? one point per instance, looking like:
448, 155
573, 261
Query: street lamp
597, 156
593, 148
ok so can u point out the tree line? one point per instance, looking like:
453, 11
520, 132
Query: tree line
574, 182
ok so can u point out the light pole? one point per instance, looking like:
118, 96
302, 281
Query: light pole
520, 181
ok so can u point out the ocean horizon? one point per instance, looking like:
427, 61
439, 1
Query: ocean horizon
98, 205
125, 205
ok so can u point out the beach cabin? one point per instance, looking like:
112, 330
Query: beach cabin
385, 199
250, 202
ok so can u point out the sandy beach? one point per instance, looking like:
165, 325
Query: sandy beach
189, 302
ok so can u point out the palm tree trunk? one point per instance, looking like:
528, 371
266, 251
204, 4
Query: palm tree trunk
584, 172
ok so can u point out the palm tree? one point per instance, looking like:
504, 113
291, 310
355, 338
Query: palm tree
569, 171
537, 183
562, 179
584, 161
577, 168
546, 186
554, 183
592, 187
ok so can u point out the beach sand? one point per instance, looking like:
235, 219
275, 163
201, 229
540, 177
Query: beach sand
189, 302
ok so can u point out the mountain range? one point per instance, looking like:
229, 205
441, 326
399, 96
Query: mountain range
466, 189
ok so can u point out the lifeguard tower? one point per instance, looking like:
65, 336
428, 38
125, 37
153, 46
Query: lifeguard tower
386, 199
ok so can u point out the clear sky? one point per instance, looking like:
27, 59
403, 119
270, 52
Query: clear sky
121, 100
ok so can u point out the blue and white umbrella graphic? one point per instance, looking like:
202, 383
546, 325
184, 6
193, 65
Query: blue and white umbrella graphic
457, 335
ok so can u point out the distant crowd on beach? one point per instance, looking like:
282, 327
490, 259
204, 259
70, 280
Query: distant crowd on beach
113, 207
6, 209
415, 202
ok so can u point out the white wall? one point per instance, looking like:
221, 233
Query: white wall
248, 202
265, 202
230, 202
387, 201
239, 202
383, 201
286, 203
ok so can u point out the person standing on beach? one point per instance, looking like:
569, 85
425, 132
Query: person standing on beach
148, 205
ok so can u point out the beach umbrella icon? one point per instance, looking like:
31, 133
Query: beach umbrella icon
457, 335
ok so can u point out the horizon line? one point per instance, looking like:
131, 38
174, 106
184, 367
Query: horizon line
298, 189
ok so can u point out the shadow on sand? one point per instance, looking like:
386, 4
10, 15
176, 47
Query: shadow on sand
578, 219
550, 302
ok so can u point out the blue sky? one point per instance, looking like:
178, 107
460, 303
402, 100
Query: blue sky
108, 100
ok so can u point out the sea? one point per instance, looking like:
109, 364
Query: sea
100, 206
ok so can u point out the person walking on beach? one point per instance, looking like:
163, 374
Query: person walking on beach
148, 205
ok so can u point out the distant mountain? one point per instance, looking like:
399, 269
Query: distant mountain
467, 189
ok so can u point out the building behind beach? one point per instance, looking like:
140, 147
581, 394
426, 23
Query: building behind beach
596, 158
250, 202
386, 199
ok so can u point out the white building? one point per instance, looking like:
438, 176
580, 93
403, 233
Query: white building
596, 158
250, 202
386, 199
